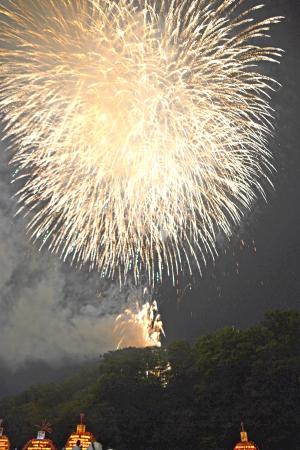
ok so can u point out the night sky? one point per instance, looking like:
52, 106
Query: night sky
264, 273
61, 316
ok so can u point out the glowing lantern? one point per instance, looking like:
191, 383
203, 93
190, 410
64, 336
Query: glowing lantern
85, 437
4, 441
245, 444
41, 442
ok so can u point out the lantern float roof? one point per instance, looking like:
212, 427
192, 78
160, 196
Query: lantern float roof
41, 442
4, 441
245, 444
81, 434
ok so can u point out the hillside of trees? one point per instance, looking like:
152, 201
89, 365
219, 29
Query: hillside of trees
182, 397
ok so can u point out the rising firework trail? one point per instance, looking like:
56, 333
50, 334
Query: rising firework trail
140, 127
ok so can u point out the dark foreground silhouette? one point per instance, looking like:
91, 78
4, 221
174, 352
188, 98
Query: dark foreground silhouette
183, 397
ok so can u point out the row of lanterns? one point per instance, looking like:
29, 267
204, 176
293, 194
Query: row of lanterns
85, 438
43, 443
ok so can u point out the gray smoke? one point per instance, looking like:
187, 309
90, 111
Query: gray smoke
49, 311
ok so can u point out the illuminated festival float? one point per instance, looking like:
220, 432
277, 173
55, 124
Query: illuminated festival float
245, 444
41, 442
85, 437
4, 441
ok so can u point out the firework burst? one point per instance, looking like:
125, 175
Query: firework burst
139, 326
140, 128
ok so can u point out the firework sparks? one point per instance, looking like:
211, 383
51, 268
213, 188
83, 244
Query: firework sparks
139, 327
140, 127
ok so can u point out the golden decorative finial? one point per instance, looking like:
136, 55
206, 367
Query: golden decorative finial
244, 435
81, 426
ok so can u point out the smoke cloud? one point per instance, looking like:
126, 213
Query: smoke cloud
49, 311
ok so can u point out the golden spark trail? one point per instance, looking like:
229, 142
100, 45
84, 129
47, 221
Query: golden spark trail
140, 128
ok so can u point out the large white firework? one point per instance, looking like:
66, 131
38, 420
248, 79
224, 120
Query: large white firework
140, 127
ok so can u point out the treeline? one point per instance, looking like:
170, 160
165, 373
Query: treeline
183, 397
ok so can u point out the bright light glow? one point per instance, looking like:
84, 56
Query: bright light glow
140, 127
140, 326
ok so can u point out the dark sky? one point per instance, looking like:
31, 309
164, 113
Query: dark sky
265, 274
61, 316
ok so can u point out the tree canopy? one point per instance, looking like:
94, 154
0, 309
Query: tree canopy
181, 397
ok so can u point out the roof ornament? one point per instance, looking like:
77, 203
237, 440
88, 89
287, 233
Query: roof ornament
44, 428
244, 435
